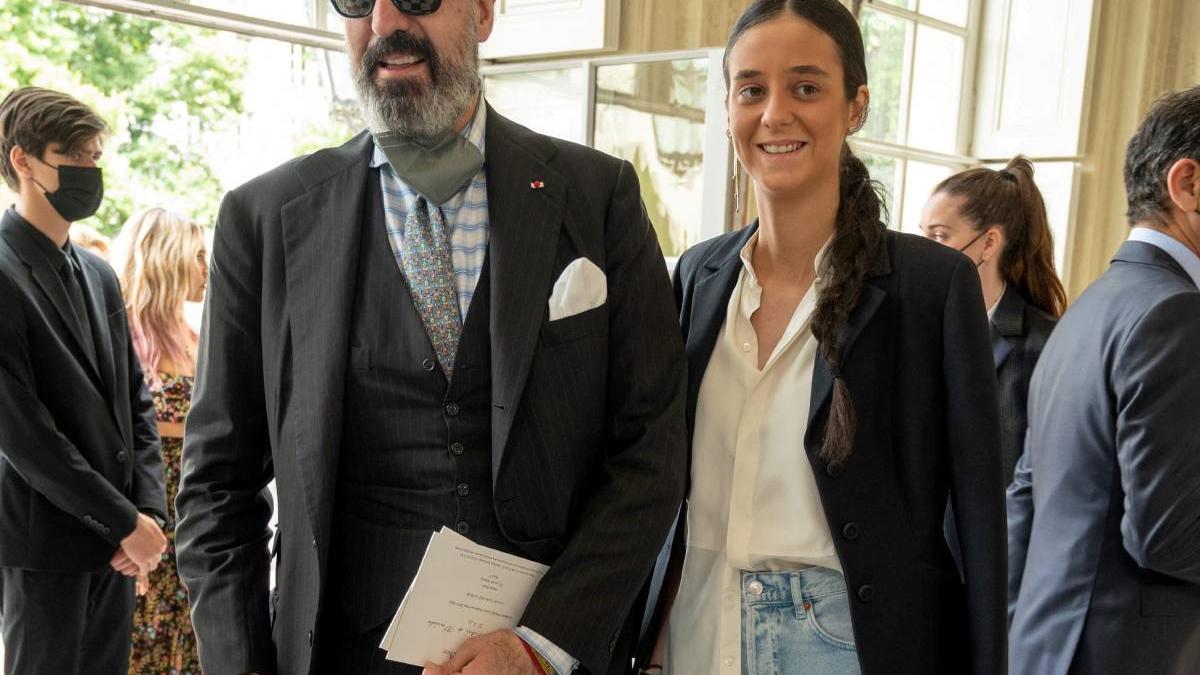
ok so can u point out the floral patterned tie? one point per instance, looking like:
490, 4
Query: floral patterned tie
430, 275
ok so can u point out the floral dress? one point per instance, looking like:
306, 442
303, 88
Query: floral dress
163, 641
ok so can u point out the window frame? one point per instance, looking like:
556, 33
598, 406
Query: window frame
317, 35
903, 153
718, 153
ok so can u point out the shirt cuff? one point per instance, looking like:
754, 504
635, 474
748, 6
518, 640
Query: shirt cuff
563, 663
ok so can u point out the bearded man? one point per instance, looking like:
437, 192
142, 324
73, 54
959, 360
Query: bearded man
405, 335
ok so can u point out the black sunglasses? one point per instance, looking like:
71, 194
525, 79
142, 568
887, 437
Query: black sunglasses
358, 9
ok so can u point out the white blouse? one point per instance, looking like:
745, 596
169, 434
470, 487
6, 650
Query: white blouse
754, 503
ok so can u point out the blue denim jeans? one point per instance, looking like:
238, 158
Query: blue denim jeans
797, 623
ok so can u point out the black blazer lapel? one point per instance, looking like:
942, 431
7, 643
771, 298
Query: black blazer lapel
52, 288
525, 224
1008, 321
98, 312
321, 231
871, 299
1002, 347
713, 287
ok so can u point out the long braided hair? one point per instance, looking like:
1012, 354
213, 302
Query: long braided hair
859, 230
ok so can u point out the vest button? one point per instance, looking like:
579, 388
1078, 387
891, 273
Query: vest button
866, 593
122, 456
850, 531
457, 448
452, 409
462, 527
463, 489
429, 365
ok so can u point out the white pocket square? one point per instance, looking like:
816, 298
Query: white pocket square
580, 287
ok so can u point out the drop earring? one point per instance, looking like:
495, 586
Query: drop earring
737, 197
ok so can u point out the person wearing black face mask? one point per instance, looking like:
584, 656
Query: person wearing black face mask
80, 190
998, 220
81, 480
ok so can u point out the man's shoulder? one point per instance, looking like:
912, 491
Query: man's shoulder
295, 176
1126, 292
569, 155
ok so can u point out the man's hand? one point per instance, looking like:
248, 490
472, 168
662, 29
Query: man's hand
497, 653
145, 545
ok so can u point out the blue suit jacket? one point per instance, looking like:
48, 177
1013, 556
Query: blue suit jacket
1104, 511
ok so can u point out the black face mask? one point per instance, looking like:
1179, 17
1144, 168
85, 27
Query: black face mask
963, 249
80, 191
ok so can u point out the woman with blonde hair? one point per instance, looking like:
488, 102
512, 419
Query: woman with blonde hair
162, 261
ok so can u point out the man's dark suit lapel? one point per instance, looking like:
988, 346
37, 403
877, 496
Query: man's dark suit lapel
52, 287
525, 222
100, 334
321, 231
869, 303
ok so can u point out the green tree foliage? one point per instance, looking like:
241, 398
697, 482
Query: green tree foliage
162, 87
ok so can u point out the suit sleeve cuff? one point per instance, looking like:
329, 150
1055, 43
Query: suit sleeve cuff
563, 663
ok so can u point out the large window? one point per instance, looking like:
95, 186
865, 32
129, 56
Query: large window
940, 103
661, 112
959, 83
920, 64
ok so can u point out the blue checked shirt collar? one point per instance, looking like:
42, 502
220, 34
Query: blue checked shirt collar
465, 214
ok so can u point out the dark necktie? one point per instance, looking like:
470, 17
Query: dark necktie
72, 278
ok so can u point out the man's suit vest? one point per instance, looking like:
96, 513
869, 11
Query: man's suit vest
416, 450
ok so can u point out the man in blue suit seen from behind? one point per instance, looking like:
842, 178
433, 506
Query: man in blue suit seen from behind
1104, 513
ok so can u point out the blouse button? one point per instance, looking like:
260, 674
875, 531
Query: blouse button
745, 346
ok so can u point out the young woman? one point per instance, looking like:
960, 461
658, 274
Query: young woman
998, 219
162, 262
841, 388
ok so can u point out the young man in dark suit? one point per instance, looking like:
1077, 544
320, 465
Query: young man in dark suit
81, 479
406, 338
1104, 511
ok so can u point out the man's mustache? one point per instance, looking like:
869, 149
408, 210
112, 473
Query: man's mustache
399, 42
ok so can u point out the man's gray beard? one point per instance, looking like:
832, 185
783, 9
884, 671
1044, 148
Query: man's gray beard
421, 111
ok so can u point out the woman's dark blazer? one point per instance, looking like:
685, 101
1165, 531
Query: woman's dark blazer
1019, 332
917, 360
